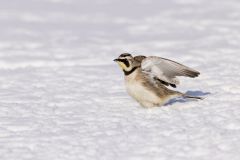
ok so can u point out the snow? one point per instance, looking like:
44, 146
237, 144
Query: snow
63, 98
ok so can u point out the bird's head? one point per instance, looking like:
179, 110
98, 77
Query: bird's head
125, 61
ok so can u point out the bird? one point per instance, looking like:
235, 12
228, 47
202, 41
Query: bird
148, 79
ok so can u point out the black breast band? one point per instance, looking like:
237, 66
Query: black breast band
129, 72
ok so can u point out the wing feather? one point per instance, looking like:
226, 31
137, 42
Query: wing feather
167, 70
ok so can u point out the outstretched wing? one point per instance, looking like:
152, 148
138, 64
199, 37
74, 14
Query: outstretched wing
166, 70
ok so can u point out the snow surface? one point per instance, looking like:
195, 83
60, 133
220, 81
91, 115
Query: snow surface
63, 98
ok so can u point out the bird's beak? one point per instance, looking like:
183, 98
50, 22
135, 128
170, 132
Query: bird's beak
115, 60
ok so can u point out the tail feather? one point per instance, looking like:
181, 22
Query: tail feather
192, 97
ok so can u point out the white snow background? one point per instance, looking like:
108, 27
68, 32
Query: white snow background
63, 98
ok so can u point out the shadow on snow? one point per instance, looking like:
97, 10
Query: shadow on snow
190, 93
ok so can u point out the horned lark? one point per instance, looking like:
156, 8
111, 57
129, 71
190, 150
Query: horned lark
147, 78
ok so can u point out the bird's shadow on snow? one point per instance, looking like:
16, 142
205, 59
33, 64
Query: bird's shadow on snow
197, 93
184, 100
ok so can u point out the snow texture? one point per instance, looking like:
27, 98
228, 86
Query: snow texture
63, 98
